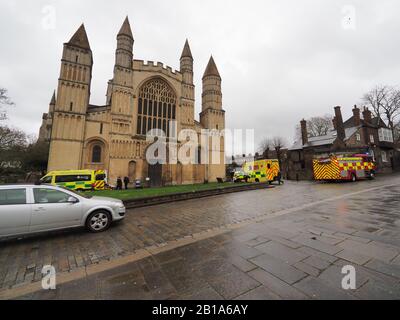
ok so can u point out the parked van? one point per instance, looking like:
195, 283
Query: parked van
78, 180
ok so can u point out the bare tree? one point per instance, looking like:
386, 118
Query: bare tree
276, 144
265, 147
375, 99
391, 107
317, 126
10, 138
279, 143
4, 102
384, 100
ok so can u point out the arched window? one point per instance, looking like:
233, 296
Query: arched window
156, 106
96, 154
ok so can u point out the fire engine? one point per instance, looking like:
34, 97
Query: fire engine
353, 168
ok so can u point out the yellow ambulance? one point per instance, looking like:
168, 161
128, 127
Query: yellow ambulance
79, 180
258, 171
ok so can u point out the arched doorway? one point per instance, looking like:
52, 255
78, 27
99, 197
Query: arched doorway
132, 170
155, 175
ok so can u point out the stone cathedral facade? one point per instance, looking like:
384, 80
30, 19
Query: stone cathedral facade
140, 97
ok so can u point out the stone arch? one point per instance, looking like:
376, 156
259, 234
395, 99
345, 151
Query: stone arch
95, 154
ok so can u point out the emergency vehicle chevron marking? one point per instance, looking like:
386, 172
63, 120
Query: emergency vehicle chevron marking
341, 168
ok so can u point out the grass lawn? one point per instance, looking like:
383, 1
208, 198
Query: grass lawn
151, 192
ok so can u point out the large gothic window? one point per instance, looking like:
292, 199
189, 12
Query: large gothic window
156, 106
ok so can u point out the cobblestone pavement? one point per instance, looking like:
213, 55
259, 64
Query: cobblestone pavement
295, 255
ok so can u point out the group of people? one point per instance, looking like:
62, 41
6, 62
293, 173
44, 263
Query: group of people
121, 182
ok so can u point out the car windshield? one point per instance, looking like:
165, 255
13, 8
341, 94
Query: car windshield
82, 194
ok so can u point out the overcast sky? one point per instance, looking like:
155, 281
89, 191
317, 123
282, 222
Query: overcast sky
280, 61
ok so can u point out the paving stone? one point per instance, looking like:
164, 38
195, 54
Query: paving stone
355, 238
375, 290
317, 262
287, 243
257, 241
386, 268
233, 284
318, 289
260, 293
282, 252
307, 269
242, 264
318, 254
318, 245
279, 287
396, 260
369, 250
206, 293
353, 257
279, 268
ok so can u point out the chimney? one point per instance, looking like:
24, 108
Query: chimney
304, 133
367, 115
334, 123
341, 134
356, 114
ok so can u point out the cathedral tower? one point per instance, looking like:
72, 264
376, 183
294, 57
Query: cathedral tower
68, 128
212, 117
120, 90
121, 101
188, 88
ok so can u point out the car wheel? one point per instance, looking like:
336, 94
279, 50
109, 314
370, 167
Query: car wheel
98, 221
257, 180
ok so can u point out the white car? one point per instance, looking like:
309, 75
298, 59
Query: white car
30, 209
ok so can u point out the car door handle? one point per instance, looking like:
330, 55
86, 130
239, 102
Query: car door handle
40, 209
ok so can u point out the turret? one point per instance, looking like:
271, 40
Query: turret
52, 103
212, 95
188, 88
187, 64
125, 41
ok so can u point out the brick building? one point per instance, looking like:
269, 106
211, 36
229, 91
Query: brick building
366, 134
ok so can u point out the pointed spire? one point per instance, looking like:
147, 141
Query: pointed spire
126, 28
186, 53
80, 38
211, 69
53, 99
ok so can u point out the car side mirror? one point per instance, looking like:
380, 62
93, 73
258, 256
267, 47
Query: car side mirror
72, 200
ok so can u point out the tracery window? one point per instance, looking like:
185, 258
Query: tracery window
156, 106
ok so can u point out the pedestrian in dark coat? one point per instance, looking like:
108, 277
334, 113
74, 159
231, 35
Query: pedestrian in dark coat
119, 183
126, 182
279, 177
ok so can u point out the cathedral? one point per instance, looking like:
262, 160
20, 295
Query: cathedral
141, 96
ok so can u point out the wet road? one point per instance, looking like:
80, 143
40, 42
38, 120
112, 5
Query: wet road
287, 242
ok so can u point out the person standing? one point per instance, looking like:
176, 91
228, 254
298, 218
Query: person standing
119, 183
279, 178
126, 182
